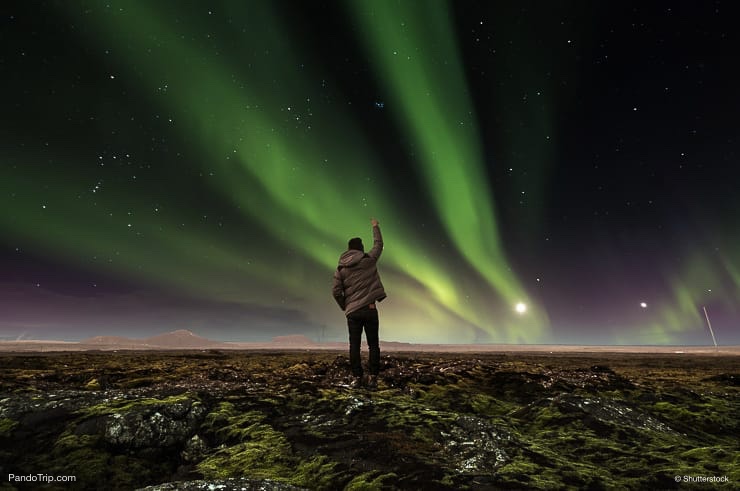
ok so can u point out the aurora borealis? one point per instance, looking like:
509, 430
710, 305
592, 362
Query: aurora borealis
201, 165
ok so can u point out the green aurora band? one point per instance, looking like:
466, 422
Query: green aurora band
242, 101
291, 179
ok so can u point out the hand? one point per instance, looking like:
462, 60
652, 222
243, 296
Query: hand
374, 222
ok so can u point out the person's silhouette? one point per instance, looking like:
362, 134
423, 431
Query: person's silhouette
357, 288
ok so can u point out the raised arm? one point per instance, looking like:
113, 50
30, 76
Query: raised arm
377, 240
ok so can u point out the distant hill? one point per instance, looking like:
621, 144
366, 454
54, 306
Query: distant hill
109, 340
181, 338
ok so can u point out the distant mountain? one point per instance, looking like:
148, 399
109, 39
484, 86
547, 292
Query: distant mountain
109, 340
181, 338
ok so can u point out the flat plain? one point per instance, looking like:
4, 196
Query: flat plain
287, 419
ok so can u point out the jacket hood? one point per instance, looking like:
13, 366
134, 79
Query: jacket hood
350, 258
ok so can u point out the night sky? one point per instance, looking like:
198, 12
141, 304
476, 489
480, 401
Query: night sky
201, 165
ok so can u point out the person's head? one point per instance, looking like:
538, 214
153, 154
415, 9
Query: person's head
356, 244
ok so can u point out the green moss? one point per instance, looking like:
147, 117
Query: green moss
137, 382
707, 454
485, 405
525, 473
92, 462
250, 447
7, 426
220, 414
257, 459
230, 425
404, 412
124, 406
80, 455
401, 432
712, 417
93, 384
256, 449
445, 397
716, 460
317, 473
128, 472
365, 482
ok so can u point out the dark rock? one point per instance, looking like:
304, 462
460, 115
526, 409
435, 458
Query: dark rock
90, 426
475, 446
195, 449
426, 379
609, 413
235, 484
151, 427
648, 397
47, 416
731, 379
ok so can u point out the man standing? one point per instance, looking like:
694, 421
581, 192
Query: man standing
356, 288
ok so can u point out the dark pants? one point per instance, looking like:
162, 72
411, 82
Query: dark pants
366, 318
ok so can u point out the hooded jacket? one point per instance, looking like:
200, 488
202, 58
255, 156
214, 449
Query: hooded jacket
356, 279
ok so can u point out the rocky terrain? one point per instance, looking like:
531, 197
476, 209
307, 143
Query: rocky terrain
288, 420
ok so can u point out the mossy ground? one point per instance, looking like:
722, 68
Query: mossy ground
437, 421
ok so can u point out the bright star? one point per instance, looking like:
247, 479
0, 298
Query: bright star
521, 307
643, 305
